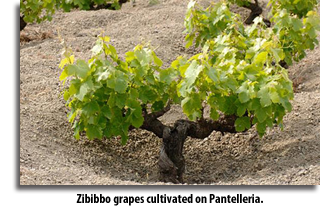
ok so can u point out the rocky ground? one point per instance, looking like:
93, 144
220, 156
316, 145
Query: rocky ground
49, 155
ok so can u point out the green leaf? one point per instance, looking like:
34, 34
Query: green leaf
254, 104
81, 69
191, 106
250, 53
135, 116
106, 111
64, 75
77, 130
112, 100
66, 95
118, 81
91, 108
296, 24
157, 106
143, 57
243, 123
93, 132
213, 74
103, 75
261, 58
113, 51
214, 114
191, 75
134, 105
189, 40
130, 56
137, 121
312, 33
133, 94
261, 128
146, 94
278, 54
261, 114
124, 139
274, 96
264, 96
84, 89
156, 59
71, 116
105, 38
74, 86
244, 97
108, 132
166, 76
65, 61
241, 110
286, 104
82, 92
120, 100
243, 93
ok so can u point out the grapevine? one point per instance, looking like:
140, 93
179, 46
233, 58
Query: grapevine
238, 75
40, 10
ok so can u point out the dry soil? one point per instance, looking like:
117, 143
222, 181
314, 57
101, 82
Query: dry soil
49, 155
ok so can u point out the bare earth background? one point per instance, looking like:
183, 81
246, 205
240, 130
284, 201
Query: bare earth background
49, 155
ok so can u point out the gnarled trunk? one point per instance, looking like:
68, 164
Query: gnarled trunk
171, 161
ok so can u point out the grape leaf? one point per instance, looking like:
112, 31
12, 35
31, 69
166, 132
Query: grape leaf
93, 131
243, 123
191, 75
214, 114
64, 75
241, 110
243, 93
84, 89
81, 69
156, 59
261, 115
213, 74
118, 81
103, 75
157, 106
120, 100
106, 111
296, 24
274, 96
191, 106
91, 108
261, 58
261, 128
264, 96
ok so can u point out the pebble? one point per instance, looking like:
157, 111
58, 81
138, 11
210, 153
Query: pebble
302, 172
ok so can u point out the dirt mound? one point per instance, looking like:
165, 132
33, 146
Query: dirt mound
49, 154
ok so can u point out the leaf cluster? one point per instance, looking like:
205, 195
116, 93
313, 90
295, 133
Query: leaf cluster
240, 74
107, 95
41, 10
296, 24
237, 73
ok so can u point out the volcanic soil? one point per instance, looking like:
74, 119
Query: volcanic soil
49, 155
